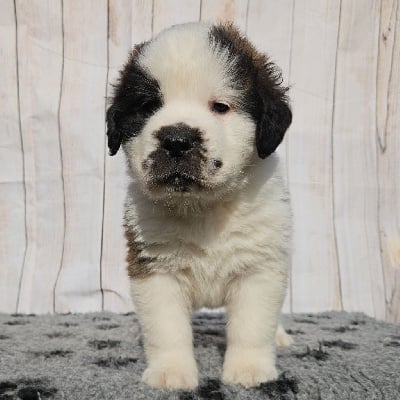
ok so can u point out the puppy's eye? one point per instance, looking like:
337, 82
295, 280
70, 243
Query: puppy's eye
220, 108
150, 106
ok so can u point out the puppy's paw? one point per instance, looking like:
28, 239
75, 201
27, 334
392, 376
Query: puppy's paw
282, 339
170, 378
172, 373
248, 367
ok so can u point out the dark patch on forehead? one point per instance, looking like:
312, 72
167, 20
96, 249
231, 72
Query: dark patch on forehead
241, 70
244, 63
240, 51
252, 73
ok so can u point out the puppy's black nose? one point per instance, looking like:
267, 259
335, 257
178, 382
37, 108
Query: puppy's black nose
178, 139
176, 145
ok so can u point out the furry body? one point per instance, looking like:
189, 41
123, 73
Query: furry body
197, 110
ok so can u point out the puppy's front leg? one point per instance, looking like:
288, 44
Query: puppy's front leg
165, 318
253, 305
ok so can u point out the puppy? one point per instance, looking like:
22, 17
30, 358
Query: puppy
199, 112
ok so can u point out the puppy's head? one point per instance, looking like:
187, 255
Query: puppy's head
194, 109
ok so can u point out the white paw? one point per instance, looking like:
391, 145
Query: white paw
172, 373
248, 367
282, 339
170, 378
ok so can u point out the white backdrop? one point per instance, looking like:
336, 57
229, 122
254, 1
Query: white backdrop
61, 243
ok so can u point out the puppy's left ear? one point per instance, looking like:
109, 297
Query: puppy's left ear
113, 135
276, 115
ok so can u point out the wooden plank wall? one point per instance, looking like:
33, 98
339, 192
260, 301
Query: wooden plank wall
61, 197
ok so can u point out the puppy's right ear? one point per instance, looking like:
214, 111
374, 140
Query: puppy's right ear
114, 136
126, 82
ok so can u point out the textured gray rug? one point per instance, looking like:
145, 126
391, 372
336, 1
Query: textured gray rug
100, 356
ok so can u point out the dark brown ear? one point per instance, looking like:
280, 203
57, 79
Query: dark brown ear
276, 115
123, 119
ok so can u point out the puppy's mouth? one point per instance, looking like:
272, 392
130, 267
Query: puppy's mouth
183, 174
178, 182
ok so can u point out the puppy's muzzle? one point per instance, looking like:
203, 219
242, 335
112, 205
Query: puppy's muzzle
178, 161
178, 140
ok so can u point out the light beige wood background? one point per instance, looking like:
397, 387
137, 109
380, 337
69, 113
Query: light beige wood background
61, 196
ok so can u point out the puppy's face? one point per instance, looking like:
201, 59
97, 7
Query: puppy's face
194, 109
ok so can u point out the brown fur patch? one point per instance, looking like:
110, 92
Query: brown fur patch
240, 43
138, 266
253, 67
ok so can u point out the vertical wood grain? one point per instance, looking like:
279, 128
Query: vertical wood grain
27, 154
142, 21
172, 12
388, 152
315, 263
274, 39
12, 184
355, 161
114, 276
78, 287
40, 50
269, 36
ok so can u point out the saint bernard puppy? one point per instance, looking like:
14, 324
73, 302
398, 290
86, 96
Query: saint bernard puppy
199, 113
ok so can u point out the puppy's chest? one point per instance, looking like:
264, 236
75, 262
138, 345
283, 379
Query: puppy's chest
208, 250
205, 267
207, 253
201, 250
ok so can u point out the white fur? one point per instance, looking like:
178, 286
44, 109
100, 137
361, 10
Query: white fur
224, 246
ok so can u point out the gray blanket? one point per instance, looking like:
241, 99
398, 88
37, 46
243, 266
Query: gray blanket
100, 356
